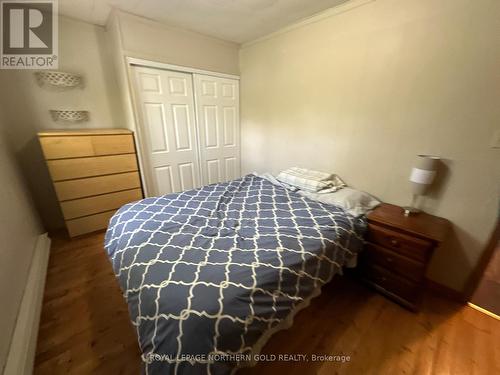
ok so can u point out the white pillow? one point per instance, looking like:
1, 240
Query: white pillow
353, 201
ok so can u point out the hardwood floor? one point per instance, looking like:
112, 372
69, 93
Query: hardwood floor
84, 327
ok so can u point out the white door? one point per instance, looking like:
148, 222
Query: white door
167, 123
217, 110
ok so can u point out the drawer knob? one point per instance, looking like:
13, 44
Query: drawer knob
394, 242
389, 259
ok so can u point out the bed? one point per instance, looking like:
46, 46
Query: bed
209, 274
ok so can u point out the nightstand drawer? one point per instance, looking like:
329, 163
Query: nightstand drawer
389, 282
409, 268
412, 247
398, 250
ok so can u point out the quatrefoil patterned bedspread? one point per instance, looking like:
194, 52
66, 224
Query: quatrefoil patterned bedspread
207, 272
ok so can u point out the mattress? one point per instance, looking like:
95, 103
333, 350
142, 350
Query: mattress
209, 273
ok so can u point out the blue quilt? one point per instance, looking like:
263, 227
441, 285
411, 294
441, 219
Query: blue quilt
207, 272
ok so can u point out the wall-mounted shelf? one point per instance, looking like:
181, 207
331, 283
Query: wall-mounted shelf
59, 79
69, 116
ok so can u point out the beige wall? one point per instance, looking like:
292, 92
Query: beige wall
83, 50
151, 40
361, 93
19, 229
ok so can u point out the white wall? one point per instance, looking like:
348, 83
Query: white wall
361, 93
83, 50
19, 229
152, 40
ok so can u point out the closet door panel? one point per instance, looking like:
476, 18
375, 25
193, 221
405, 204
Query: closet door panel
165, 101
217, 105
157, 127
213, 169
186, 176
231, 168
229, 124
182, 127
164, 179
209, 121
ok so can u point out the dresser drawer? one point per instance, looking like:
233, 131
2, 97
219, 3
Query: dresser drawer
389, 282
412, 247
406, 267
66, 169
92, 205
86, 187
65, 147
94, 173
88, 224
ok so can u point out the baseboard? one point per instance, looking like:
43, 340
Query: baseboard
444, 291
23, 345
484, 311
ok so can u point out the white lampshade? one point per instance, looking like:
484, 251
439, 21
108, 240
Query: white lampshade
422, 175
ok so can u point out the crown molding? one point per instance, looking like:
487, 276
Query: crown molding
336, 10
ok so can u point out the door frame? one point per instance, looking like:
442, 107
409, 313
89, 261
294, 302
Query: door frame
177, 68
475, 277
130, 63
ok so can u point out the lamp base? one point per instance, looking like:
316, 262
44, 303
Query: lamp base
408, 210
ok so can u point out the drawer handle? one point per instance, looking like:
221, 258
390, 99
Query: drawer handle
394, 242
389, 260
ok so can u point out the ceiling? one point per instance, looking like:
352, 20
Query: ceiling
233, 20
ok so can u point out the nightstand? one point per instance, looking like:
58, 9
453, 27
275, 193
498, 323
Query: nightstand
397, 252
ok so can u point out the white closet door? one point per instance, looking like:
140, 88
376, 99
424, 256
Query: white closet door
217, 109
168, 130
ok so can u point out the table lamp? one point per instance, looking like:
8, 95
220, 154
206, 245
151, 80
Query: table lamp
421, 177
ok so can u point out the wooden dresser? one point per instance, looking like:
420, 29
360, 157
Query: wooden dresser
398, 250
94, 173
